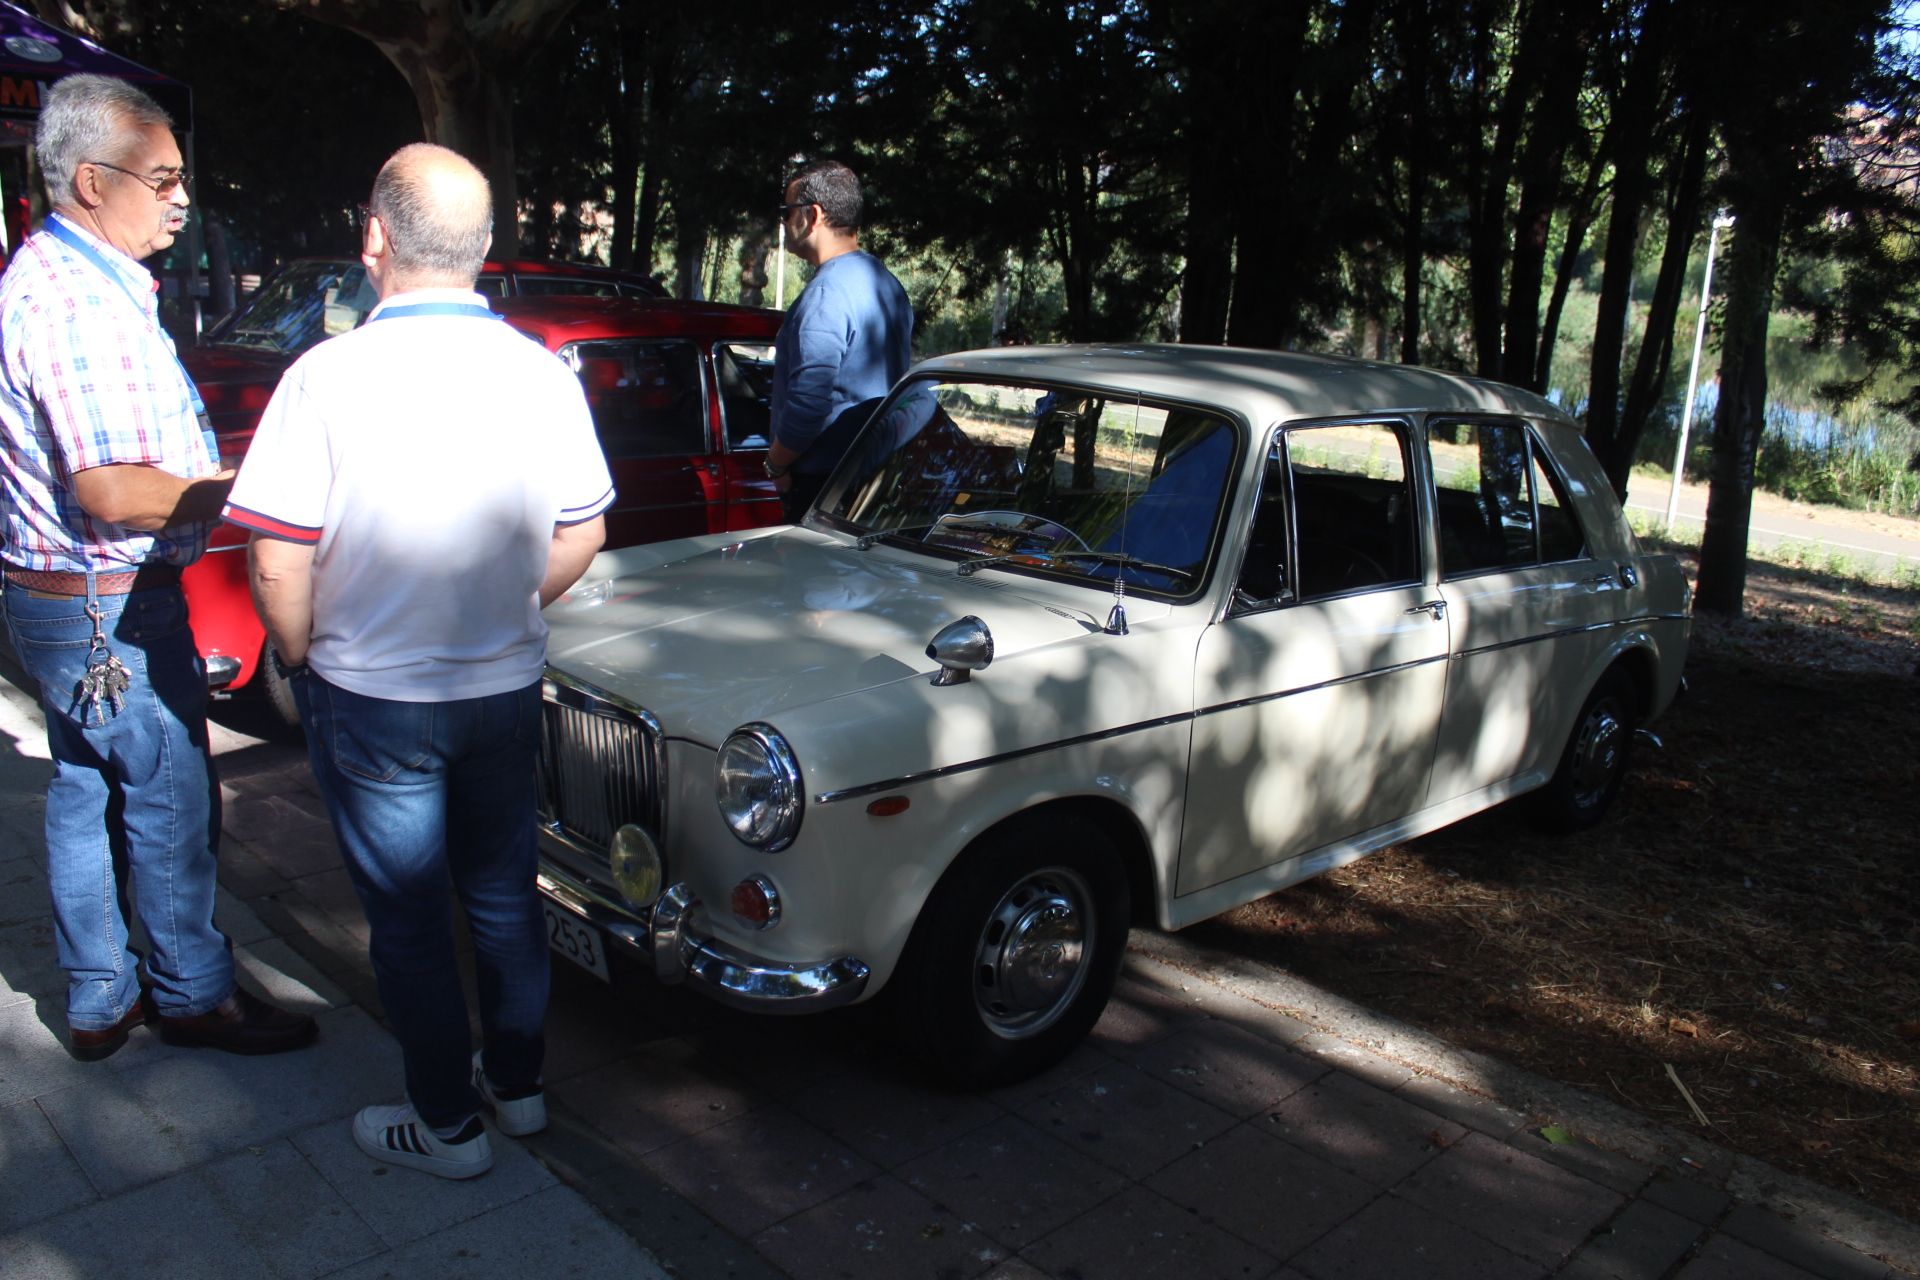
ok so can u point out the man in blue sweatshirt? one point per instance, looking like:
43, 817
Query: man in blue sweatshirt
846, 341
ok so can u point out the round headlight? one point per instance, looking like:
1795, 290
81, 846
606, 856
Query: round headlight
637, 868
758, 787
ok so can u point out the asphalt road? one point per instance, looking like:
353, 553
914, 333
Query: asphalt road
1775, 522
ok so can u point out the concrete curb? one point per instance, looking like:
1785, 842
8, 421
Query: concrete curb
1834, 1214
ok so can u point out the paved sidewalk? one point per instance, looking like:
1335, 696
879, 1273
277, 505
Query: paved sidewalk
1223, 1121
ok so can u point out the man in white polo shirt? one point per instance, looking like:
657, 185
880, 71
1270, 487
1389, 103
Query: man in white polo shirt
418, 490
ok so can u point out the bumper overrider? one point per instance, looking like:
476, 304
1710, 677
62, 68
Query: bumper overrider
660, 935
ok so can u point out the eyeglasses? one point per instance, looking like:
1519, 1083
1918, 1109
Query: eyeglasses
789, 208
163, 185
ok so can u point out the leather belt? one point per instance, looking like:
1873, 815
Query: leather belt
147, 576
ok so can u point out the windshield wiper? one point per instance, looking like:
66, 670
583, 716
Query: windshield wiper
1120, 558
241, 336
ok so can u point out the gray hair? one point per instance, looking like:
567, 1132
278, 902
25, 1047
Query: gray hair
433, 229
85, 118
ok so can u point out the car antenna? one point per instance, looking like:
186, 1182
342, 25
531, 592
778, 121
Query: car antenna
1117, 616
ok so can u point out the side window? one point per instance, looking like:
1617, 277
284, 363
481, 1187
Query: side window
1560, 536
492, 286
1353, 512
1499, 505
745, 373
645, 396
1263, 572
532, 286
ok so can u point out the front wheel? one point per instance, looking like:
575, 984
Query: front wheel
1595, 758
1015, 952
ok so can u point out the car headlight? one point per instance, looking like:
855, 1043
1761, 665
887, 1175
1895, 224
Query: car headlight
757, 787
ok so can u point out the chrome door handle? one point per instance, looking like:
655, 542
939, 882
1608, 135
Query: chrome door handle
1438, 608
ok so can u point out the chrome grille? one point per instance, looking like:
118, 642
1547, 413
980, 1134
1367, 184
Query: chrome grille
602, 763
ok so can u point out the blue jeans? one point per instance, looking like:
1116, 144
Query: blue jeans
134, 791
423, 793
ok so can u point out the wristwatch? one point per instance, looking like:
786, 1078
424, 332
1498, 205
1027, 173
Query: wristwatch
774, 470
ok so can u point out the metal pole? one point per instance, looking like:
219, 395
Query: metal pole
780, 268
1721, 221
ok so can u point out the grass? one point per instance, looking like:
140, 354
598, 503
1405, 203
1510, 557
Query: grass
1805, 555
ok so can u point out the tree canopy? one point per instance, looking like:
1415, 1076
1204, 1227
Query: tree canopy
1413, 180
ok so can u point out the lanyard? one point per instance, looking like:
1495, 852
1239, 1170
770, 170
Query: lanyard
60, 231
409, 310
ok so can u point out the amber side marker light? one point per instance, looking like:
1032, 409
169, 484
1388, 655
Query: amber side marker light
888, 806
756, 901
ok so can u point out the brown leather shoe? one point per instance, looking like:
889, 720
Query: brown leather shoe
242, 1023
91, 1046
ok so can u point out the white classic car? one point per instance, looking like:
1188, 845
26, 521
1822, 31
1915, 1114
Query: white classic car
1078, 638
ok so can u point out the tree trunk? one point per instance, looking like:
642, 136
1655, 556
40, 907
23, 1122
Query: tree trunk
1637, 109
1263, 180
1656, 349
1740, 419
1487, 234
1413, 230
459, 57
1580, 218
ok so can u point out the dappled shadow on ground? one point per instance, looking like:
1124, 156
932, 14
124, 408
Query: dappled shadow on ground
1746, 916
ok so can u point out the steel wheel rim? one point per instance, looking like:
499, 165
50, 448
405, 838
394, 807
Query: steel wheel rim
1596, 751
1032, 956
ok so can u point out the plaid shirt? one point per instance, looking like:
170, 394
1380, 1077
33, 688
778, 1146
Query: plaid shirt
87, 378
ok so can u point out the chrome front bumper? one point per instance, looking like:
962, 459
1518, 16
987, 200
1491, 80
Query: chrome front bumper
661, 934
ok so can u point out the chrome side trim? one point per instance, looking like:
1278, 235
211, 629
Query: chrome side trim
1334, 683
732, 977
945, 771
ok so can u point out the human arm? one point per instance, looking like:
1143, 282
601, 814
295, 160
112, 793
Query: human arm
568, 555
138, 496
281, 576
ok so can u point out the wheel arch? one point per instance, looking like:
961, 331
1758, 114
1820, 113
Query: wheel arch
1113, 820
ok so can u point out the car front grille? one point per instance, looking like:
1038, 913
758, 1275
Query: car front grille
602, 763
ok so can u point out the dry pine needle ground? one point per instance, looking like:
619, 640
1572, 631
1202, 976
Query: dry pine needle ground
1748, 914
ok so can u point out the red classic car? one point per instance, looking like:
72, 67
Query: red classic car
678, 392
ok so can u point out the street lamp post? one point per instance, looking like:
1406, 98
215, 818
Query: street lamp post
780, 269
1721, 221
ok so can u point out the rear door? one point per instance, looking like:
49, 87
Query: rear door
1318, 697
1529, 607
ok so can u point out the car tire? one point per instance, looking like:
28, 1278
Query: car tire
278, 688
1594, 761
1015, 952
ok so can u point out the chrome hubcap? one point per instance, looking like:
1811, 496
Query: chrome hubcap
1596, 755
1031, 959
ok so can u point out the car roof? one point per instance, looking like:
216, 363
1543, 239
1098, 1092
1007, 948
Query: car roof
566, 318
1303, 385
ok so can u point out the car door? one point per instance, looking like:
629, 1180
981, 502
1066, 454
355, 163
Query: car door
1318, 696
1527, 604
648, 398
743, 372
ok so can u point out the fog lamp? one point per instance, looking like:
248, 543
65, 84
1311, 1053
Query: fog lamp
638, 871
757, 902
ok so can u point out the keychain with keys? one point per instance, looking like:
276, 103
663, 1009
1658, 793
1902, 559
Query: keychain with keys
107, 678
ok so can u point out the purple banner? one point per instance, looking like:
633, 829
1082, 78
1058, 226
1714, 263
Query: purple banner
34, 54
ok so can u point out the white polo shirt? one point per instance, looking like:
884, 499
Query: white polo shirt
427, 457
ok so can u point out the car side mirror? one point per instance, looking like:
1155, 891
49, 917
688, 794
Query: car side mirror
962, 647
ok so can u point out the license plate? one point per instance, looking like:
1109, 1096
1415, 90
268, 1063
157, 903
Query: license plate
577, 940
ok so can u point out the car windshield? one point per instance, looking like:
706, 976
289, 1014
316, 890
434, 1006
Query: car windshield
1054, 480
305, 303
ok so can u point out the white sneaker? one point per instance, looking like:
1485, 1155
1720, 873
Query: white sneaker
397, 1135
515, 1117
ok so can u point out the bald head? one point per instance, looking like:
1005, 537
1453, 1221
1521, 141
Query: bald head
438, 213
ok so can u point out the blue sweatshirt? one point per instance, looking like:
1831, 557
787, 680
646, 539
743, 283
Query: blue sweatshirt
847, 340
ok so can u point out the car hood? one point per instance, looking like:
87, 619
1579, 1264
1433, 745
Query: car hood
710, 633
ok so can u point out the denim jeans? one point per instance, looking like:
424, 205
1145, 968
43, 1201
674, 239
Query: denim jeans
423, 794
132, 789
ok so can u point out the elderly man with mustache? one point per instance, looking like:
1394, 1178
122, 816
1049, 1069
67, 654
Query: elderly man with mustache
109, 482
